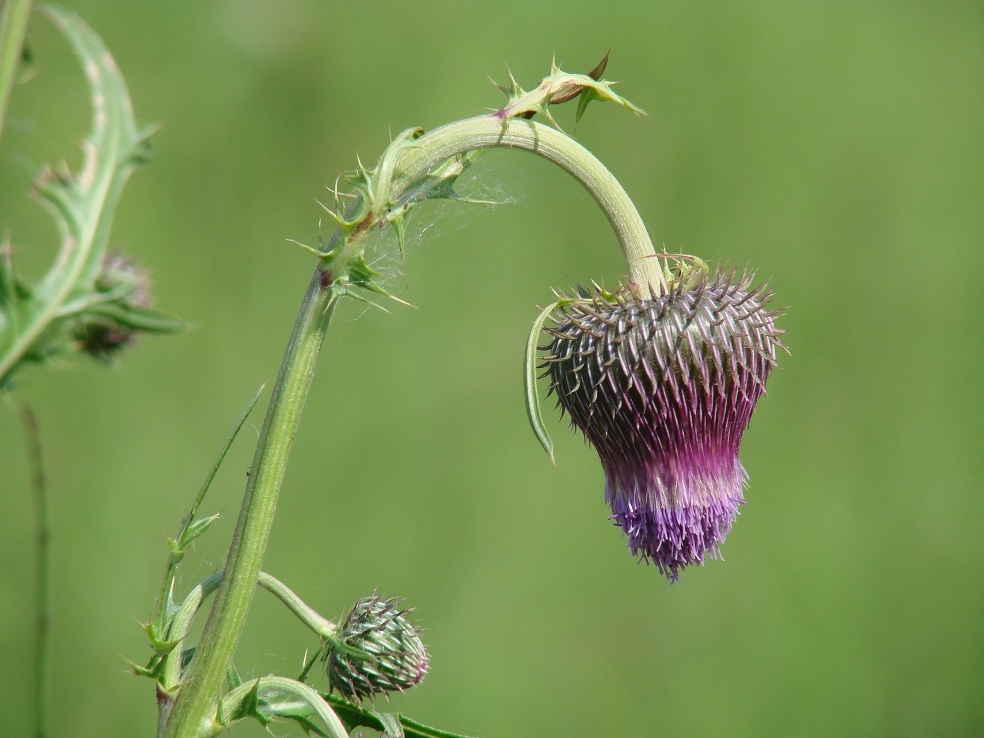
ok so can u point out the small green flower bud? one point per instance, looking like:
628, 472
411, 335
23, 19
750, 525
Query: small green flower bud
377, 650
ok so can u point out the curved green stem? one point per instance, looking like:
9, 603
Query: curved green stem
489, 131
170, 679
322, 626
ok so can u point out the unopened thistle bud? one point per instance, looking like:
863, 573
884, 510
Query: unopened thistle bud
663, 387
377, 650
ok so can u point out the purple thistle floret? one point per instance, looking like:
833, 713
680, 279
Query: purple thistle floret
663, 387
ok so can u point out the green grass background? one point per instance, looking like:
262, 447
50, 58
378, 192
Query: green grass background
837, 148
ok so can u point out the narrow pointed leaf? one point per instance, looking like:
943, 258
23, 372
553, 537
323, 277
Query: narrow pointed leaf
529, 382
141, 319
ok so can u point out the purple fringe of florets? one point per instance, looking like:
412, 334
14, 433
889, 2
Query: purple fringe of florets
674, 525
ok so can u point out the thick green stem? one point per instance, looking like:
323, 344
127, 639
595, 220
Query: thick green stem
200, 691
13, 28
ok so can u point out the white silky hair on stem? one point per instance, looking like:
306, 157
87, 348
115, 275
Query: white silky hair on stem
479, 189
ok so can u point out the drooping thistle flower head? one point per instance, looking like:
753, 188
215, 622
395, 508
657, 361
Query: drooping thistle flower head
377, 650
663, 386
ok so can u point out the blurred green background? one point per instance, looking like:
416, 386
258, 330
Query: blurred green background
837, 148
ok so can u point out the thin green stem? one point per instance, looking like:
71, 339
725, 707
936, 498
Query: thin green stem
306, 614
309, 664
179, 543
43, 571
14, 15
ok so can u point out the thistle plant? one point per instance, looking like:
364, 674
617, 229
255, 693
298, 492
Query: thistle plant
661, 374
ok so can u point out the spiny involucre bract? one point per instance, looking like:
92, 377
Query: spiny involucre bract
663, 386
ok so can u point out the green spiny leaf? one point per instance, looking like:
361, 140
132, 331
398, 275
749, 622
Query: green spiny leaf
413, 729
161, 646
83, 203
248, 707
180, 543
86, 201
